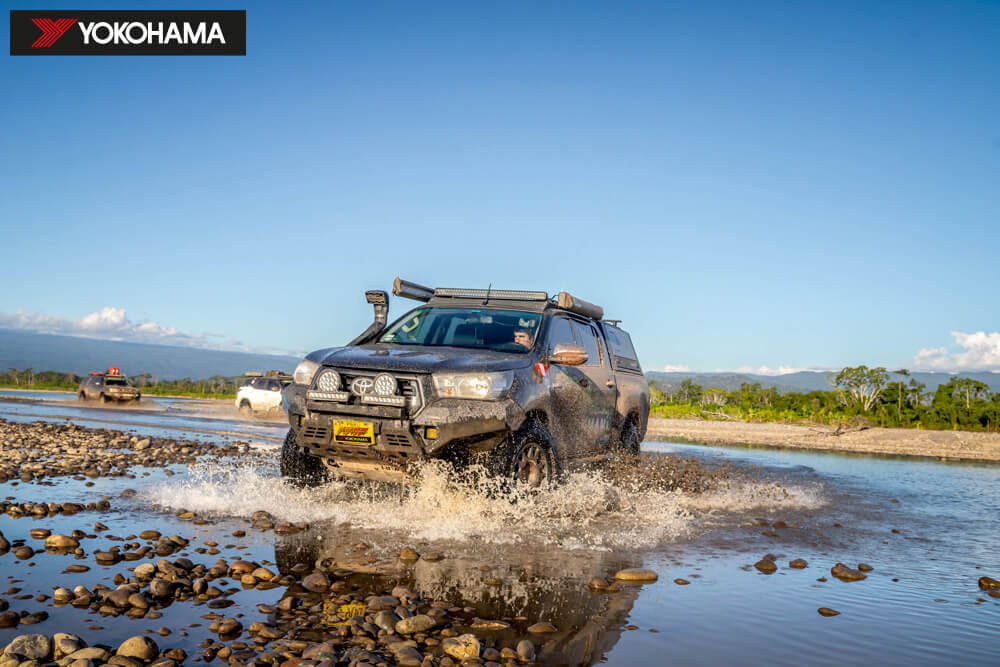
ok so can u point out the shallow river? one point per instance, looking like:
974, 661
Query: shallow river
929, 529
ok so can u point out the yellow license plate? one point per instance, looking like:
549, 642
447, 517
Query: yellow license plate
354, 433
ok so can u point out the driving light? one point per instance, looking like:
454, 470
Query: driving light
480, 386
304, 372
328, 381
385, 384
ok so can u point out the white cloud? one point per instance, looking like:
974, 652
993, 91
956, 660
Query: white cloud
767, 370
980, 351
679, 368
108, 322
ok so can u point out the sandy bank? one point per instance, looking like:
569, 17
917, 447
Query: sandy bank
958, 445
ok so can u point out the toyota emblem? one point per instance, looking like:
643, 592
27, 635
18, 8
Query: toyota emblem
362, 386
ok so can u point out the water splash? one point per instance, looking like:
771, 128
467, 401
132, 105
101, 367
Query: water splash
647, 506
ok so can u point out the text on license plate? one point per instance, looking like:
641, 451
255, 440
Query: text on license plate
358, 433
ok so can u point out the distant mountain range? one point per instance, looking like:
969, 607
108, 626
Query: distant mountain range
71, 354
803, 381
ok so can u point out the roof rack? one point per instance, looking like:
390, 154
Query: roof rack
563, 300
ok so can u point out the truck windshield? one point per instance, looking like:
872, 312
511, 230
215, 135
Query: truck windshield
501, 330
115, 380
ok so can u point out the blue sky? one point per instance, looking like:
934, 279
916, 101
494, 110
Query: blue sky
771, 184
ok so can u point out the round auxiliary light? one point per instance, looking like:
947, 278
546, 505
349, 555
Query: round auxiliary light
328, 381
385, 384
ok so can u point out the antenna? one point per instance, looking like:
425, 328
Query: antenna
487, 299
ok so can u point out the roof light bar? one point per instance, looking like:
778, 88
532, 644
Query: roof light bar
508, 294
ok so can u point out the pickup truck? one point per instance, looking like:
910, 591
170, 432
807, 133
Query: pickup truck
528, 384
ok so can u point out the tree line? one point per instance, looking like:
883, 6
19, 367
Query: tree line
217, 386
857, 394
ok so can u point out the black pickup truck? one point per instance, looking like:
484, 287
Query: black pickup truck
528, 384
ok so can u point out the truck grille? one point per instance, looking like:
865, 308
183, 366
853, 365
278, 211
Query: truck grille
408, 388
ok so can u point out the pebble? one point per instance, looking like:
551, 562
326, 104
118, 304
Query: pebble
462, 647
766, 566
542, 628
845, 573
681, 582
408, 554
865, 567
798, 564
418, 623
636, 574
987, 583
826, 611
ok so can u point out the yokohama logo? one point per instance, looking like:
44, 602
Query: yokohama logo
51, 31
41, 32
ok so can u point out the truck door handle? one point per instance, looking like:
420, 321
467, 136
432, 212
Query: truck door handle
609, 383
583, 382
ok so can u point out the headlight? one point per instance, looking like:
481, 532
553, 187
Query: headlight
328, 381
304, 372
482, 386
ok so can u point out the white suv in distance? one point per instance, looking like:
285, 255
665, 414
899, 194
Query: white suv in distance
261, 395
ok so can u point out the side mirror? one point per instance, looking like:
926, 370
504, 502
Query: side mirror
568, 355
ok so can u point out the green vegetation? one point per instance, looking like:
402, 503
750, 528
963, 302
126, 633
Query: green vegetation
858, 395
216, 386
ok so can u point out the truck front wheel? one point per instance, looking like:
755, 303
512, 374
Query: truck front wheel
299, 468
531, 461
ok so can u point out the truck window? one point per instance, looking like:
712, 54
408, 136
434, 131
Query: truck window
559, 332
587, 338
622, 351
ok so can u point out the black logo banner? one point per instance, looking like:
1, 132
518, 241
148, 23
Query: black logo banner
68, 32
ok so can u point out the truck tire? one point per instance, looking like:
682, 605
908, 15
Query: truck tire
299, 468
631, 440
105, 398
81, 396
531, 461
245, 408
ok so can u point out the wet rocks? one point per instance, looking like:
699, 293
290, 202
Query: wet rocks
845, 573
4, 545
24, 552
865, 567
681, 582
316, 582
988, 583
636, 574
798, 564
462, 647
138, 647
766, 565
525, 650
542, 628
598, 584
32, 647
408, 554
9, 619
61, 542
826, 611
413, 624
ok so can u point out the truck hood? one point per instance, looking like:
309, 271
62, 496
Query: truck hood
419, 358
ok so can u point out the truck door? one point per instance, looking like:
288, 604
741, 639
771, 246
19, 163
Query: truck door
582, 406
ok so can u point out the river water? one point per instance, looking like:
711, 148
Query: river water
929, 529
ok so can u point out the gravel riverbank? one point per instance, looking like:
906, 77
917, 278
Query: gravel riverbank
957, 445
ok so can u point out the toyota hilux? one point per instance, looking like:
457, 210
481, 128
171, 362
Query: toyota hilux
530, 384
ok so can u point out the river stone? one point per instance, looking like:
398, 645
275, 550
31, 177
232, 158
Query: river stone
40, 533
408, 554
145, 570
987, 583
63, 594
60, 542
636, 574
316, 582
139, 647
25, 552
95, 653
32, 647
798, 564
462, 647
681, 582
408, 656
387, 620
766, 566
9, 619
542, 628
525, 650
64, 644
418, 623
598, 584
826, 611
865, 567
4, 544
149, 535
845, 573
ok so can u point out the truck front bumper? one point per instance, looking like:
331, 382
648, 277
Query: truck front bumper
439, 428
